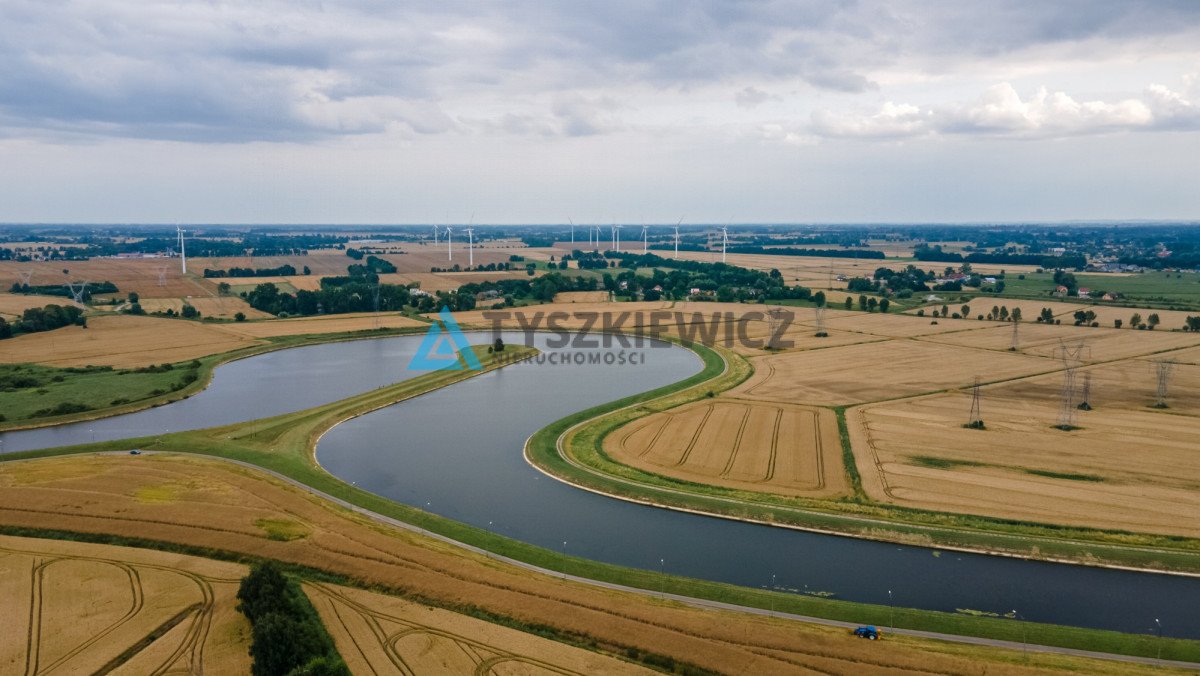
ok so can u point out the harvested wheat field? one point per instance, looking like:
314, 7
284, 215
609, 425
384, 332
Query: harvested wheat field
225, 307
13, 304
322, 324
209, 503
773, 448
900, 326
581, 297
1129, 466
577, 315
874, 371
123, 341
379, 634
77, 608
817, 268
297, 282
1046, 339
139, 275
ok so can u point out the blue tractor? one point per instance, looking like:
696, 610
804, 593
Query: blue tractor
869, 632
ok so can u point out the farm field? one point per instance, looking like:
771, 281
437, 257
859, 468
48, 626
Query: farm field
1044, 340
321, 324
773, 448
378, 634
140, 275
853, 374
1129, 467
221, 307
181, 499
122, 341
13, 304
85, 608
581, 297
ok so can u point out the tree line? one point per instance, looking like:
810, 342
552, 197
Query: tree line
37, 319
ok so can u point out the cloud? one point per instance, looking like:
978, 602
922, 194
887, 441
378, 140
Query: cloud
752, 97
1001, 111
279, 70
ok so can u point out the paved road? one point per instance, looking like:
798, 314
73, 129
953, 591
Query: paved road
691, 601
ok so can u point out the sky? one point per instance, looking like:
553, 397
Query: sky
386, 111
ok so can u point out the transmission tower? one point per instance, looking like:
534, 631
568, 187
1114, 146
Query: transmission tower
26, 277
1164, 368
1071, 359
819, 311
1085, 403
162, 275
1016, 341
77, 293
976, 421
777, 318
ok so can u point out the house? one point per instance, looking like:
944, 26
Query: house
989, 280
1085, 292
1061, 290
487, 295
1108, 296
695, 291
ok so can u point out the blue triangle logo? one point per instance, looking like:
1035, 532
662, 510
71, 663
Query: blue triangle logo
439, 351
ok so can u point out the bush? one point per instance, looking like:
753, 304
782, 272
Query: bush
239, 317
287, 634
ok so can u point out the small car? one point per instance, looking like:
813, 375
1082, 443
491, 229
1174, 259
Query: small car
135, 452
868, 632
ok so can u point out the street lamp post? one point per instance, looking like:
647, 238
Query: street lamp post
662, 578
564, 553
1024, 644
1159, 625
772, 593
891, 611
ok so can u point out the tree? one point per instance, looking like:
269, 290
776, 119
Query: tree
189, 312
862, 302
945, 310
239, 317
1152, 321
5, 329
884, 305
819, 298
1117, 323
1136, 320
1046, 316
966, 310
849, 303
498, 345
134, 297
1015, 314
223, 288
872, 304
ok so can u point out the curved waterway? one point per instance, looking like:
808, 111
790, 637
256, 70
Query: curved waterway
457, 452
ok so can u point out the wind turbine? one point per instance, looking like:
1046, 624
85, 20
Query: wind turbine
435, 234
596, 246
616, 230
645, 239
182, 251
724, 241
449, 251
572, 231
470, 247
677, 238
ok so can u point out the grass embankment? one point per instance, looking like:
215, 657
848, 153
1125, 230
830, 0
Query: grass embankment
285, 444
32, 395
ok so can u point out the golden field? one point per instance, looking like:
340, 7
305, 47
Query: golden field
78, 608
208, 503
754, 446
122, 341
378, 634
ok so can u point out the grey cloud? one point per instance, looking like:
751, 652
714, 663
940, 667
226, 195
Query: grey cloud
277, 70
